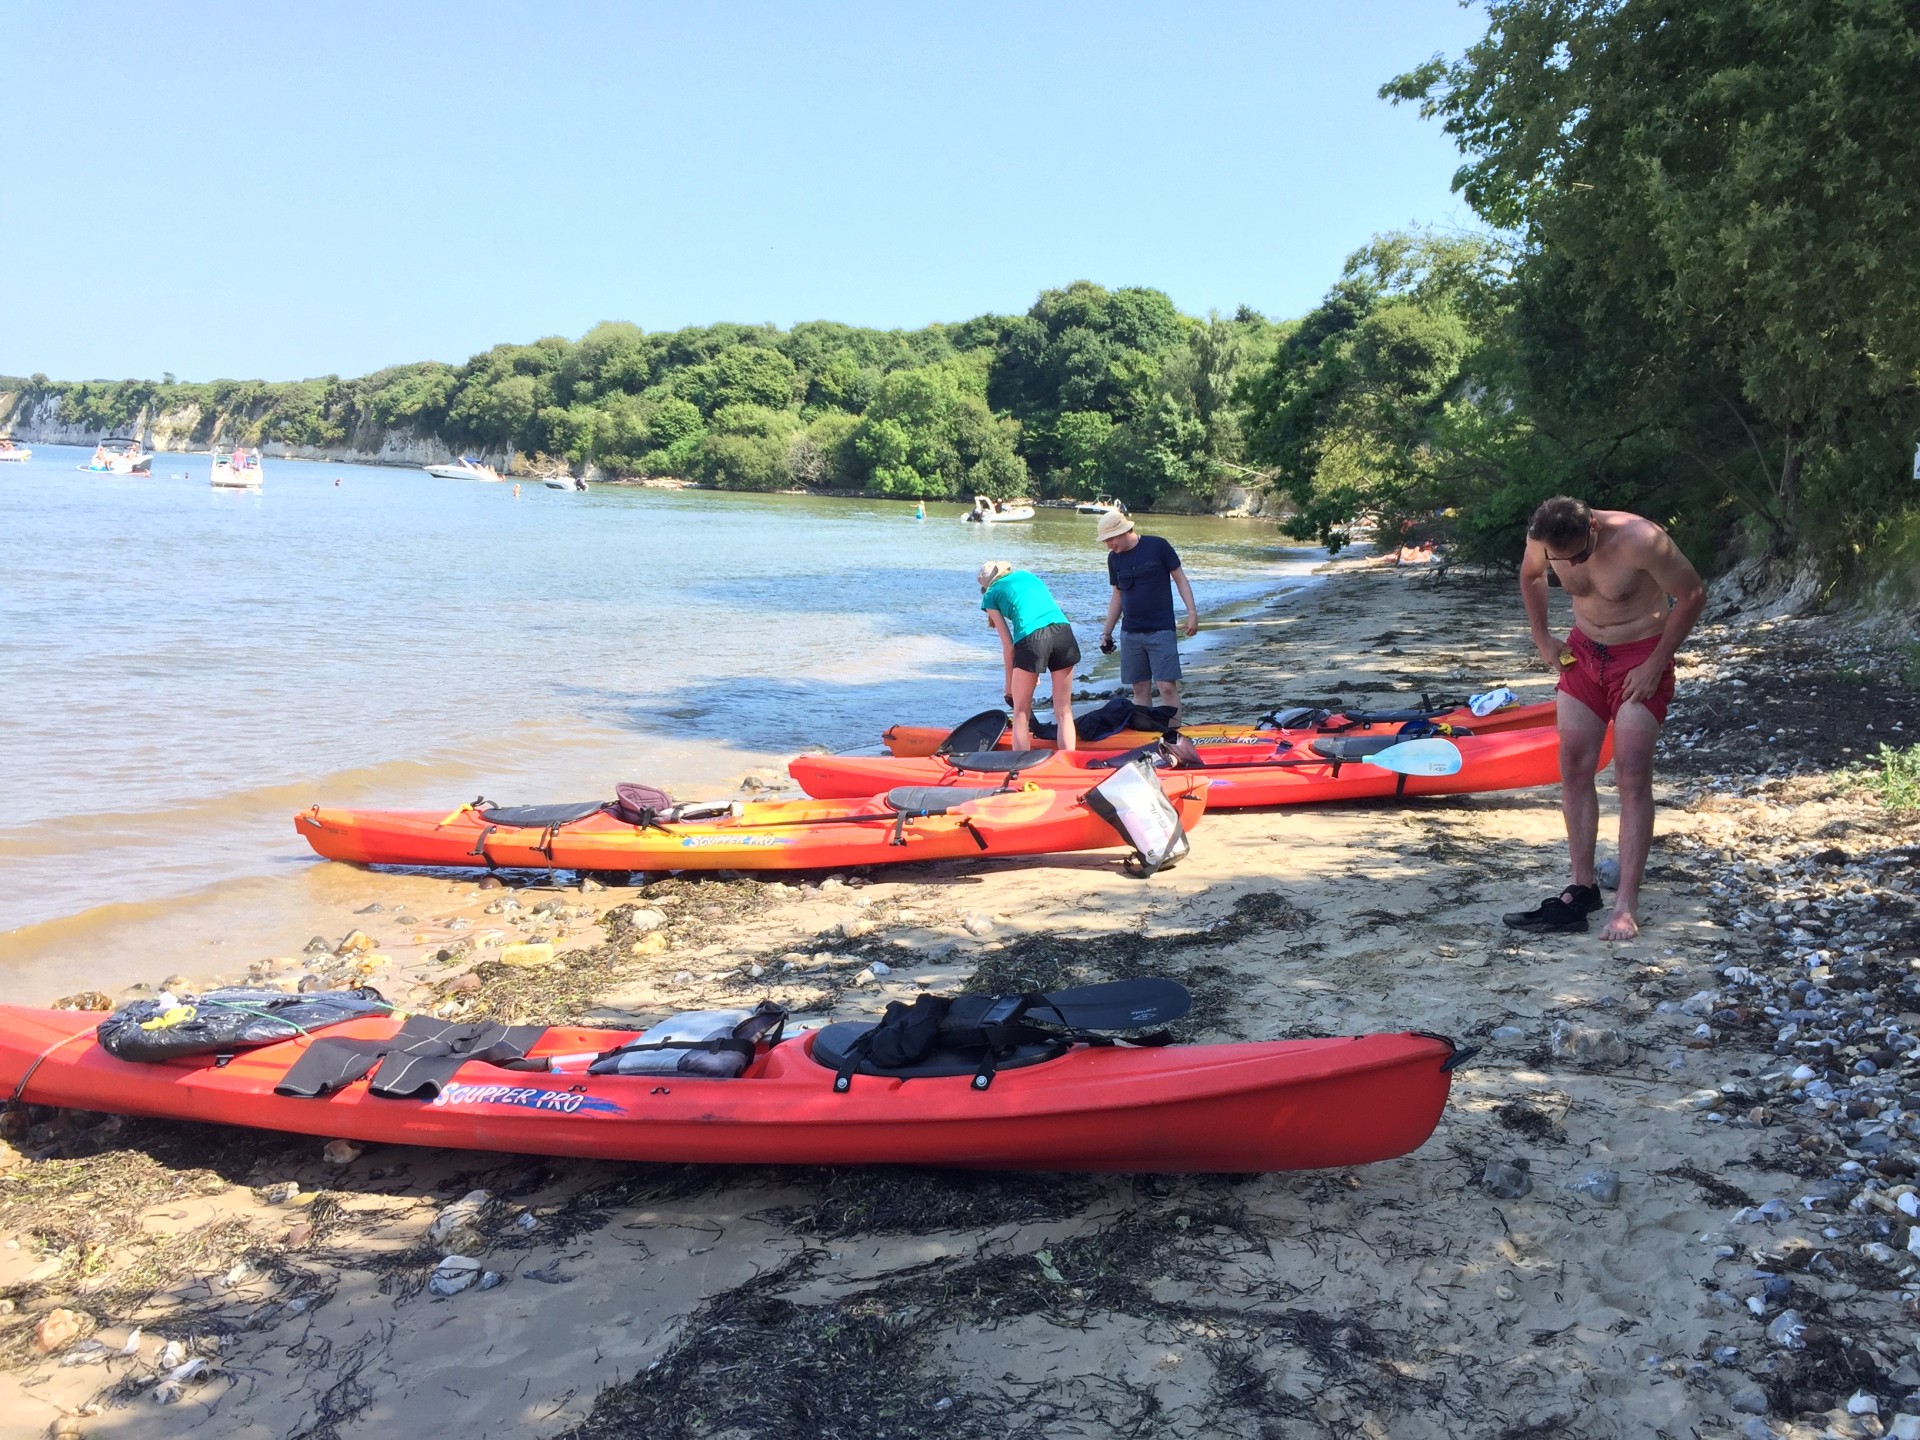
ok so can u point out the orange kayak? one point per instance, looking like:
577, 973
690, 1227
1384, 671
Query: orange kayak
917, 740
1300, 770
1272, 1105
760, 835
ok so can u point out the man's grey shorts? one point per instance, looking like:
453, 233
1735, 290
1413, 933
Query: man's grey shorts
1149, 655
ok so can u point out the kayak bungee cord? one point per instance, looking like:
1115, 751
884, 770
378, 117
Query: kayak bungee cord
44, 1055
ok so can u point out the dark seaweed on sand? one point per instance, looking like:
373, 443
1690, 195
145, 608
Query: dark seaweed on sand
755, 1363
1711, 1187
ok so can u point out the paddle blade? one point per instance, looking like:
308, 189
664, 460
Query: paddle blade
1122, 1004
1431, 756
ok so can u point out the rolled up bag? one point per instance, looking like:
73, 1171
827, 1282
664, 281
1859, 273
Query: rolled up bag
716, 1044
168, 1027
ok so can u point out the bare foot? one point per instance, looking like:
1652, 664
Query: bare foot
1620, 926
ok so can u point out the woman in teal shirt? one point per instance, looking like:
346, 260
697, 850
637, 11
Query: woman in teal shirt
1034, 637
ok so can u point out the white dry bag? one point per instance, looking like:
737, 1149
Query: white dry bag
1132, 801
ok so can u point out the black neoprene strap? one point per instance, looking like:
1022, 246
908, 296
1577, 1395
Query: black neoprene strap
329, 1064
423, 1057
850, 1062
415, 1063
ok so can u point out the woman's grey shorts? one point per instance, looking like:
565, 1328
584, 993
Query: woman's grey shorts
1149, 655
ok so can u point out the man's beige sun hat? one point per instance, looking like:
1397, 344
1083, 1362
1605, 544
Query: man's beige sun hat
992, 571
1111, 524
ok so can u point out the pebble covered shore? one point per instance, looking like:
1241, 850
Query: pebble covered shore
1674, 1193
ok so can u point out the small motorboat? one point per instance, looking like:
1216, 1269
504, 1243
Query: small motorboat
466, 468
1099, 507
10, 452
565, 482
996, 512
241, 470
119, 455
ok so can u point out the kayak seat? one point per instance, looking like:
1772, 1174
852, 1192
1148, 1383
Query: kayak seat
933, 799
999, 762
831, 1044
539, 817
977, 732
1353, 747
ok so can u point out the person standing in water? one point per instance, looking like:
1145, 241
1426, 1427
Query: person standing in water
1635, 598
1034, 638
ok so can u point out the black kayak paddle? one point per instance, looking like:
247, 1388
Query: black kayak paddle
1116, 1004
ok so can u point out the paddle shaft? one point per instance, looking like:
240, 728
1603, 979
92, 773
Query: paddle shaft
1404, 752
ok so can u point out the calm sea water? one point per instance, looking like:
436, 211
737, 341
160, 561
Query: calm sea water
185, 667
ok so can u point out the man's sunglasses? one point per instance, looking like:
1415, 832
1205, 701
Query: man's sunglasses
1579, 559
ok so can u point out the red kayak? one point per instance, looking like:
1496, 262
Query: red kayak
920, 740
1273, 1105
1295, 771
872, 829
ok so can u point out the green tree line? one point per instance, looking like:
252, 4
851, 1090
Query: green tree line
1698, 296
1093, 390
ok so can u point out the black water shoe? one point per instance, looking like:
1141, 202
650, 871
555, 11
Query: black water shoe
1566, 911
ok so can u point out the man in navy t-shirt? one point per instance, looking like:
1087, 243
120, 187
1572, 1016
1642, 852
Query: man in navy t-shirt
1143, 570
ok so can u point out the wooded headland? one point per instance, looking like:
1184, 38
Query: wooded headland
1694, 298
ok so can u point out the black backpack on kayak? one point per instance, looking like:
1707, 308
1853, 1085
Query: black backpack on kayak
982, 1034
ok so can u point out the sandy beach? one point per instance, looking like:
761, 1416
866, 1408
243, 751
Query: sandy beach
1632, 1186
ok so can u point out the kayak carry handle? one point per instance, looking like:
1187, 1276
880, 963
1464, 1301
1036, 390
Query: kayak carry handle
1459, 1055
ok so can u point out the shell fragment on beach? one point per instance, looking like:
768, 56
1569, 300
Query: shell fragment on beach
1506, 1179
453, 1275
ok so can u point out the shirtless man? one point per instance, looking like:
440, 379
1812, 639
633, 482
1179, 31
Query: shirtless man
1620, 570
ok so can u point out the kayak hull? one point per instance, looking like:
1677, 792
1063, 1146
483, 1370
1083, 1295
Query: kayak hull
772, 835
919, 740
1274, 1105
1240, 776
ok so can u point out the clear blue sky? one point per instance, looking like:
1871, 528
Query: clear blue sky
285, 190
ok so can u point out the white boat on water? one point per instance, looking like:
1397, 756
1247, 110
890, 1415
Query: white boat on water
13, 453
566, 482
119, 455
1099, 507
466, 468
239, 471
995, 512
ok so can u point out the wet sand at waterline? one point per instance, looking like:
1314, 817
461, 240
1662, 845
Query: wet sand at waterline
187, 667
1398, 1299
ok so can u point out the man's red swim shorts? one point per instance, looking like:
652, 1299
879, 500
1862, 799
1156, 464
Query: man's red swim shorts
1599, 674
